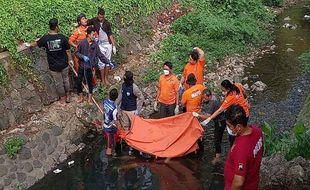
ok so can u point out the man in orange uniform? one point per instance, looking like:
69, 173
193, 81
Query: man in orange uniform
195, 65
78, 35
192, 97
167, 95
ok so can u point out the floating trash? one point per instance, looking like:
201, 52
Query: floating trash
71, 163
57, 171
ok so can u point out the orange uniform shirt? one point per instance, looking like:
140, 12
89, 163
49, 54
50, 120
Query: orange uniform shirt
241, 88
196, 69
78, 35
168, 86
236, 99
192, 97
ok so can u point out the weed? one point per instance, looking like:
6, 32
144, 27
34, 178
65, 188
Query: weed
13, 145
4, 78
292, 145
101, 93
305, 60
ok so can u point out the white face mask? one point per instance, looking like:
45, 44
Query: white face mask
230, 132
166, 72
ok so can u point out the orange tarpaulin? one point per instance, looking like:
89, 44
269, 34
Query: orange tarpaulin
168, 137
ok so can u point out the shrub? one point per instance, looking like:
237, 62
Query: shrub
275, 3
3, 76
13, 145
292, 145
220, 28
305, 60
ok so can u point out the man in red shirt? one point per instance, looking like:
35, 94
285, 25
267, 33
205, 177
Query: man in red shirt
244, 159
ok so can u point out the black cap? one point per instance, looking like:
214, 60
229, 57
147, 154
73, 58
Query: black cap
78, 19
191, 79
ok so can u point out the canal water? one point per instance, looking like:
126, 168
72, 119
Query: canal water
286, 90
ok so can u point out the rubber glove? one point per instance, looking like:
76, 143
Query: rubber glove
155, 106
195, 114
176, 110
114, 50
205, 122
111, 65
86, 59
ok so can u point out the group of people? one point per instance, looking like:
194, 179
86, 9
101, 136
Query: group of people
93, 44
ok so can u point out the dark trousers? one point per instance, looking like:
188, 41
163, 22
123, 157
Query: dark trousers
86, 75
218, 135
166, 110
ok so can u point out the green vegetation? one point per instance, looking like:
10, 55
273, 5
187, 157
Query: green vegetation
13, 145
101, 93
275, 3
24, 21
305, 60
291, 145
3, 76
219, 27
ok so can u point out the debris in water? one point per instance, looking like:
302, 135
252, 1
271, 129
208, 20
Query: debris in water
299, 90
289, 50
287, 18
289, 26
307, 17
71, 163
57, 171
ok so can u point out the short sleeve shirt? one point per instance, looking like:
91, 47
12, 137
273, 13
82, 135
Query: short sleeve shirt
78, 35
192, 97
244, 159
197, 69
169, 86
56, 47
236, 99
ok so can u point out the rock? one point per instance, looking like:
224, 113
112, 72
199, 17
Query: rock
16, 130
13, 168
3, 170
35, 153
21, 177
297, 173
28, 167
31, 180
49, 150
56, 131
2, 160
25, 153
31, 145
45, 137
287, 18
289, 50
258, 86
62, 157
7, 181
37, 164
1, 186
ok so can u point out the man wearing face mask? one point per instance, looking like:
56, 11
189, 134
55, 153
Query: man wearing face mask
131, 98
195, 65
87, 52
243, 162
167, 94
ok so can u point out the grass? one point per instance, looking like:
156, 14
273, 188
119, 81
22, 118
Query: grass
13, 145
305, 60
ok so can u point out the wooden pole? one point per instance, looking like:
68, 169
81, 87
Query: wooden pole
86, 88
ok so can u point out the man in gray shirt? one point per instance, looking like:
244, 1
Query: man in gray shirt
211, 103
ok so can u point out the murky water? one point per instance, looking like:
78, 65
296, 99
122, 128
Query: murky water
287, 85
281, 102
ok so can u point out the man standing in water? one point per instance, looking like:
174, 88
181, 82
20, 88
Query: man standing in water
244, 158
58, 56
105, 40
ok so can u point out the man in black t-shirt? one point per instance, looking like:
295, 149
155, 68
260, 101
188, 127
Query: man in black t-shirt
58, 56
